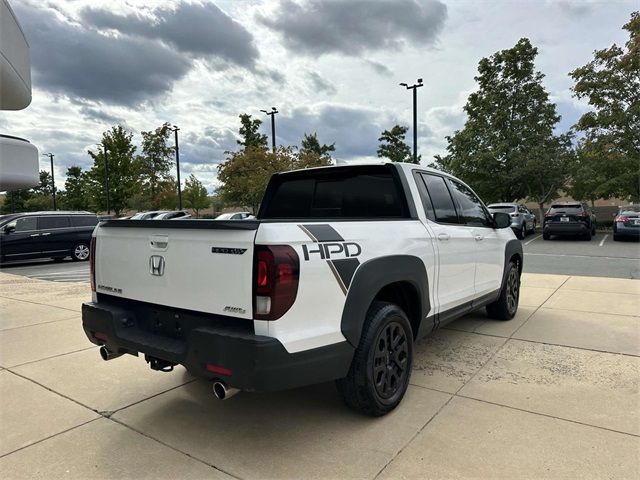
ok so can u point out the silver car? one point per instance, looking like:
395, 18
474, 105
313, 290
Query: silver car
523, 222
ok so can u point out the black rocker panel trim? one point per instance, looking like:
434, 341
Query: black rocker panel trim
371, 277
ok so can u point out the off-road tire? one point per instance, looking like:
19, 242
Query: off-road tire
381, 366
506, 306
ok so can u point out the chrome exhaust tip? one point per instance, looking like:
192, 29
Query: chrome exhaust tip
107, 354
223, 392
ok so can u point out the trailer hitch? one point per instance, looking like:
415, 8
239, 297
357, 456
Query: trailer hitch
159, 364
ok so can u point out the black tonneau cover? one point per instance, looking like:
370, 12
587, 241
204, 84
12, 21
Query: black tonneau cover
195, 224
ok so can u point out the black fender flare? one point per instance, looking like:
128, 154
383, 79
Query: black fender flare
370, 278
513, 247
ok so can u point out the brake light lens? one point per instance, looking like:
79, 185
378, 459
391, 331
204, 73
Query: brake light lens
583, 214
276, 273
622, 218
548, 214
92, 263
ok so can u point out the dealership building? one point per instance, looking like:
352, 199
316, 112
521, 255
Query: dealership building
18, 157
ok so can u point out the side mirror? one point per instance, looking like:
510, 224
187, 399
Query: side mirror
9, 228
502, 220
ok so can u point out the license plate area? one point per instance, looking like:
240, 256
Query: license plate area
564, 219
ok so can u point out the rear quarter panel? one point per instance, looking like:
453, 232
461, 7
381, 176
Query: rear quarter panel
314, 319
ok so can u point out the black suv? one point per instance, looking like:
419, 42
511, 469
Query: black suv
569, 218
46, 235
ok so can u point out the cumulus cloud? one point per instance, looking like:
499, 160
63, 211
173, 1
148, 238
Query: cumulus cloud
198, 30
321, 84
354, 130
319, 27
69, 59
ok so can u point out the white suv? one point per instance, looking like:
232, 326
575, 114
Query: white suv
343, 269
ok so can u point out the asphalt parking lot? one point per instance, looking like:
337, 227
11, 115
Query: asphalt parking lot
601, 257
553, 393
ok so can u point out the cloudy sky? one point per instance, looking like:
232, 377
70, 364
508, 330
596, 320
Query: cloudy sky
329, 66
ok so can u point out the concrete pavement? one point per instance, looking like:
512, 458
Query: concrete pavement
553, 393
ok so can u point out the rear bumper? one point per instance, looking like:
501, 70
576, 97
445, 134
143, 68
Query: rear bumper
256, 362
568, 228
626, 230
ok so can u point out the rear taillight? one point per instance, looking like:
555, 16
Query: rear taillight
622, 218
583, 214
275, 280
548, 214
92, 263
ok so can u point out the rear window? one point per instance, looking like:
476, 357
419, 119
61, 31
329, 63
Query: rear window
59, 221
502, 208
574, 207
84, 221
359, 192
630, 209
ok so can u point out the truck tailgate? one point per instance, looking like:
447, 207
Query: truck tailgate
200, 265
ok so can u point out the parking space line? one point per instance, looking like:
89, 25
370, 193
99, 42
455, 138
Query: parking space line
603, 239
532, 240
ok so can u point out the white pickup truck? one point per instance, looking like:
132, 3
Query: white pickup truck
342, 270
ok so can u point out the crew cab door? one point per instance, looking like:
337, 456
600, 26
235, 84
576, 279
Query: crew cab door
489, 247
56, 235
456, 250
22, 240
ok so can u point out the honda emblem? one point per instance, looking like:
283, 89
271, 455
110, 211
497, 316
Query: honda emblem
156, 265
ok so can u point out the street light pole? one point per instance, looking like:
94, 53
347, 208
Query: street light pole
414, 87
272, 114
106, 174
175, 131
53, 181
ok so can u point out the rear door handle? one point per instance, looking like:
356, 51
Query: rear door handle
478, 237
34, 235
444, 236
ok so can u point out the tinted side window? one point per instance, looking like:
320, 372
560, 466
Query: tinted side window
59, 221
441, 200
471, 208
84, 221
424, 196
26, 224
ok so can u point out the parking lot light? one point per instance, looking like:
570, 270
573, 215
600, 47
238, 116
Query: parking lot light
53, 181
414, 87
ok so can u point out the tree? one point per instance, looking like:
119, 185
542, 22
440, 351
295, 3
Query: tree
123, 175
155, 162
41, 197
393, 146
547, 171
16, 201
312, 153
167, 196
245, 174
611, 144
311, 145
195, 195
510, 121
75, 194
249, 133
